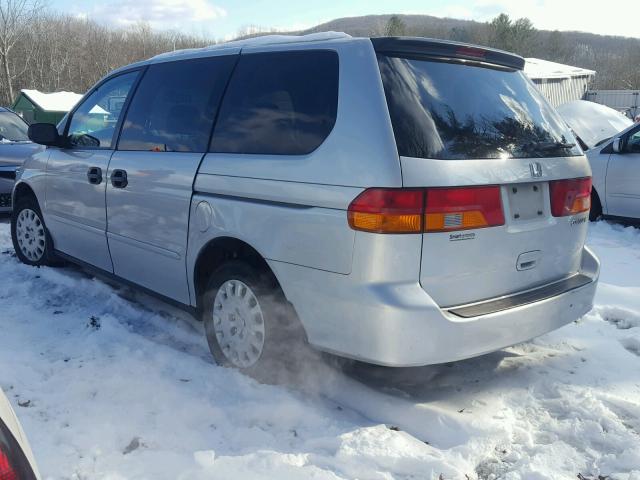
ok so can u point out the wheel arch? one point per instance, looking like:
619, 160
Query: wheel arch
21, 190
219, 250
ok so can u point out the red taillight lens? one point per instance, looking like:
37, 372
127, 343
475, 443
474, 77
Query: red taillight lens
463, 208
6, 470
569, 197
388, 210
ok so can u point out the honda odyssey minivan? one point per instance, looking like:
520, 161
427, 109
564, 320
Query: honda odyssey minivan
400, 201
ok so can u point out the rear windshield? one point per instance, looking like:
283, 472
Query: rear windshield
448, 110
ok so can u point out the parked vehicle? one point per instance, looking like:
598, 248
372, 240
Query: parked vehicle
612, 145
16, 458
15, 147
401, 201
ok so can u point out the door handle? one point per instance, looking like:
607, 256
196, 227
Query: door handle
119, 178
94, 175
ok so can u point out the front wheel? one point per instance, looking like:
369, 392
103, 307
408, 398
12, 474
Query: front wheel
248, 322
29, 234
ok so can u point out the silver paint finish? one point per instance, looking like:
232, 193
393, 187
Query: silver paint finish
74, 209
148, 220
238, 323
394, 322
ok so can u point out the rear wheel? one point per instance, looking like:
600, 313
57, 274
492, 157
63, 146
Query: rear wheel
596, 207
29, 234
248, 323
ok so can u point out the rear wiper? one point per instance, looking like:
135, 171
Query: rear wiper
555, 145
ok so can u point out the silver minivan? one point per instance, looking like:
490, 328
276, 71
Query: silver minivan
400, 201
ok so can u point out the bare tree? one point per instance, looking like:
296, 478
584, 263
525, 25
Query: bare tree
16, 18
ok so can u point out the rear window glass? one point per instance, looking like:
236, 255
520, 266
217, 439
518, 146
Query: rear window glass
447, 110
281, 103
175, 104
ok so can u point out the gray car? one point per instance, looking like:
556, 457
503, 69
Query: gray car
15, 147
400, 201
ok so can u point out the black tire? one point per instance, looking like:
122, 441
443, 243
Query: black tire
283, 333
596, 207
47, 258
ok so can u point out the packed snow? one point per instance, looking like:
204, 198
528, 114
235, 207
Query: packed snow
53, 102
112, 385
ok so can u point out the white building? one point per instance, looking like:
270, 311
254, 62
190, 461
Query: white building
558, 82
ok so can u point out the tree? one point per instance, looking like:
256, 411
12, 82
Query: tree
395, 27
16, 18
515, 36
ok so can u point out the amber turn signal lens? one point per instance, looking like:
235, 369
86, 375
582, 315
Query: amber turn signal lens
570, 197
387, 210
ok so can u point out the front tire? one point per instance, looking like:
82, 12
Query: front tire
248, 322
29, 234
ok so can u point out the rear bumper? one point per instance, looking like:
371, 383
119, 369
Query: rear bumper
399, 325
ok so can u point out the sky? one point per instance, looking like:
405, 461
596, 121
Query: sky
223, 19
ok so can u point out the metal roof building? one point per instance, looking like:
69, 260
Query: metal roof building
558, 82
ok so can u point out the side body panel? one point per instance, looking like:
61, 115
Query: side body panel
623, 185
148, 220
75, 209
292, 208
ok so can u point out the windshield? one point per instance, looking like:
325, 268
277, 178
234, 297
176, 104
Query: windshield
447, 110
12, 128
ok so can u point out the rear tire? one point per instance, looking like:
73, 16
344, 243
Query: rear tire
248, 322
596, 207
29, 234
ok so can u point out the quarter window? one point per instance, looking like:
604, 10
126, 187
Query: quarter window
175, 105
282, 103
93, 124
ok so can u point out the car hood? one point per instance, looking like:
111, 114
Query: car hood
593, 122
15, 153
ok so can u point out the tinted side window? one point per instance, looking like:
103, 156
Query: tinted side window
175, 105
94, 121
282, 103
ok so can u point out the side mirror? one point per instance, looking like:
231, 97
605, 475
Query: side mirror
44, 134
616, 146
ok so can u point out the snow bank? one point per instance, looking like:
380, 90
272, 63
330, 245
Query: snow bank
114, 385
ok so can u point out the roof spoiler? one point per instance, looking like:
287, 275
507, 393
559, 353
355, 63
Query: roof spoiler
445, 49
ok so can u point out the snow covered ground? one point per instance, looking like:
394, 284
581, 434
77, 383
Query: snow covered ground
112, 385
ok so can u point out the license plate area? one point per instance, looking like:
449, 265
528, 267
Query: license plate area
526, 201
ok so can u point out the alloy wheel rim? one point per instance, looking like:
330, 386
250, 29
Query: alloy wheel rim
238, 323
30, 234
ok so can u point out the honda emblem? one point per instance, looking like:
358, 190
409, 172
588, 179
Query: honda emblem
536, 169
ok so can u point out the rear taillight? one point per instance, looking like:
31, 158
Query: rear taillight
387, 210
569, 197
463, 208
397, 210
7, 471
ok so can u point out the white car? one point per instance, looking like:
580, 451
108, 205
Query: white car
612, 144
16, 458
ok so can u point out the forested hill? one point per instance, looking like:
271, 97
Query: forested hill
616, 59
